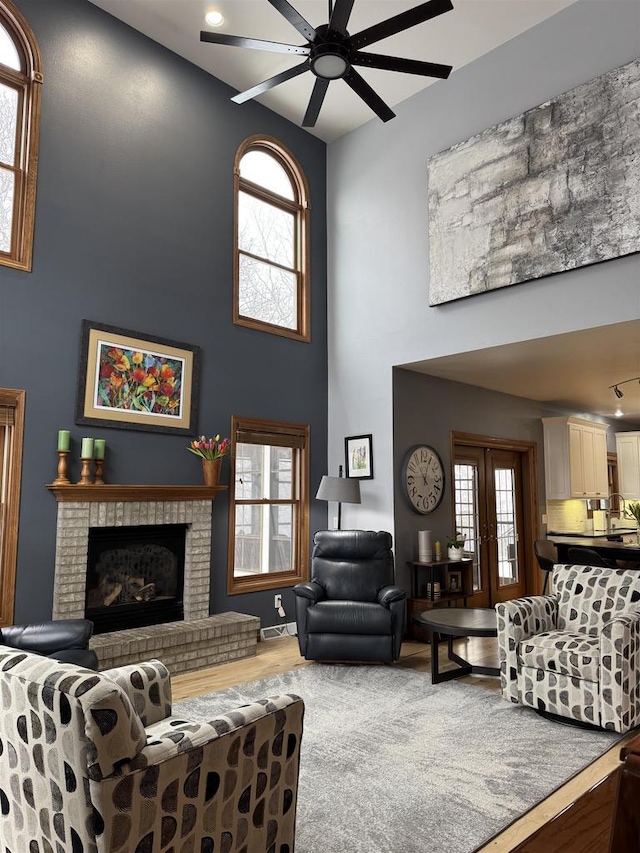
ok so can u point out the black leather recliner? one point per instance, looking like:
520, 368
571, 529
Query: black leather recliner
66, 640
351, 609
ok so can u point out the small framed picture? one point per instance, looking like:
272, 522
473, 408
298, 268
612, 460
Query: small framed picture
454, 581
359, 457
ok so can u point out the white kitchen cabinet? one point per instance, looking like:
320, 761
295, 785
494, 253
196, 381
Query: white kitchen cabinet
575, 458
628, 450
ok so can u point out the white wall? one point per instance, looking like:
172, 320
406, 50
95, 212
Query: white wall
378, 251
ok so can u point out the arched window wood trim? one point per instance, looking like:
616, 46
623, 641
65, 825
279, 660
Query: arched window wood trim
301, 207
29, 85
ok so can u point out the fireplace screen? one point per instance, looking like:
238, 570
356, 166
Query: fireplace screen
135, 576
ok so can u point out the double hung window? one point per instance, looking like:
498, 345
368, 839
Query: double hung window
269, 517
271, 263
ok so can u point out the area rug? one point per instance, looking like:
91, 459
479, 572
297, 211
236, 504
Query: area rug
393, 764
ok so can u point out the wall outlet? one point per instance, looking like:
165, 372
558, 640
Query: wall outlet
545, 518
277, 601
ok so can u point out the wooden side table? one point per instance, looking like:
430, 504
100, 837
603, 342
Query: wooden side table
423, 596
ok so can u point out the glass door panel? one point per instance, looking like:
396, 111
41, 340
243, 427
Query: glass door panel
467, 513
506, 526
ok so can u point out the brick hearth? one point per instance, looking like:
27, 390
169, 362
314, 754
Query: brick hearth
199, 640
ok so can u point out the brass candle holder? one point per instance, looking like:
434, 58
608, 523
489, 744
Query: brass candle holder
85, 473
62, 479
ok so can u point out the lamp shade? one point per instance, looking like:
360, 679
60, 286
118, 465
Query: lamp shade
340, 489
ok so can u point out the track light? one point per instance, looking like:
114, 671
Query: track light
620, 394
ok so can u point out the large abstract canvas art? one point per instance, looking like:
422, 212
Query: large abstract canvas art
555, 188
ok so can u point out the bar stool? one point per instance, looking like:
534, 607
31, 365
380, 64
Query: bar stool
547, 557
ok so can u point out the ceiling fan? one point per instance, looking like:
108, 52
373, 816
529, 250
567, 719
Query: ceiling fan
331, 53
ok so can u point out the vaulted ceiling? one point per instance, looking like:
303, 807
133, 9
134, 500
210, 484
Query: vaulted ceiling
456, 38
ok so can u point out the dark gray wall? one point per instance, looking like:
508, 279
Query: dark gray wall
426, 410
134, 228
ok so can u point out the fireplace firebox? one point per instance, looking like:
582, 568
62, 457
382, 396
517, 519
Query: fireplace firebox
135, 576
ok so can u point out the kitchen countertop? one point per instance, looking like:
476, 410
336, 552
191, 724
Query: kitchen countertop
590, 542
610, 550
597, 534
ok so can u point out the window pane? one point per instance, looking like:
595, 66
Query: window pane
281, 541
8, 53
249, 471
467, 514
281, 470
265, 230
267, 293
8, 123
263, 169
247, 540
258, 554
7, 192
254, 462
506, 523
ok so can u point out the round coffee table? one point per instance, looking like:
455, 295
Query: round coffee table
449, 622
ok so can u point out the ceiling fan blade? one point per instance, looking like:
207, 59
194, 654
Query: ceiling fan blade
315, 102
371, 99
289, 74
400, 22
295, 18
396, 63
340, 16
255, 44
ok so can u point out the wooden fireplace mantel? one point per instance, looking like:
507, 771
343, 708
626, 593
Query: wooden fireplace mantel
127, 494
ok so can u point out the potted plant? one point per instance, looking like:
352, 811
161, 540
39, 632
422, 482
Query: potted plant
211, 451
455, 546
633, 507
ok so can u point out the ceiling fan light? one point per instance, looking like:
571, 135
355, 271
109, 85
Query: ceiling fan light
330, 61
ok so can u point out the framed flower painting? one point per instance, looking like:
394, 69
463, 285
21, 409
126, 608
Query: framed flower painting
129, 380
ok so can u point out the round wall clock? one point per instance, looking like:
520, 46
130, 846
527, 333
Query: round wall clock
423, 478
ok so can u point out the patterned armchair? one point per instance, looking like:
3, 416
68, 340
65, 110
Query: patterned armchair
576, 653
95, 763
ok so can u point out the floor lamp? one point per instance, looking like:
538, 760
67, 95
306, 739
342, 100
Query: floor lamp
342, 490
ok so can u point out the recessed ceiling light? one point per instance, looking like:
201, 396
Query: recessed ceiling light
214, 19
618, 413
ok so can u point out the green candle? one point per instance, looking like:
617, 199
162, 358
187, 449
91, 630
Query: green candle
64, 437
87, 448
98, 448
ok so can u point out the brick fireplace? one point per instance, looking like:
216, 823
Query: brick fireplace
197, 641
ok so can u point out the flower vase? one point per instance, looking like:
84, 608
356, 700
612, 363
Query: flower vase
211, 471
454, 553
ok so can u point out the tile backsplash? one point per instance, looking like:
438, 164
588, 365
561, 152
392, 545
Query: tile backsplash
567, 516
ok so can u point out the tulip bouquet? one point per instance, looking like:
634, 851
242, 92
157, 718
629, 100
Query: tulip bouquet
209, 448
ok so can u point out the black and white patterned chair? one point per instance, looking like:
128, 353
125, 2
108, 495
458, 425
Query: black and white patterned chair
93, 762
576, 653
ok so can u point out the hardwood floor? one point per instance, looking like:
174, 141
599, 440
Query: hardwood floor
574, 819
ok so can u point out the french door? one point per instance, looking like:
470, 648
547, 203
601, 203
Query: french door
488, 489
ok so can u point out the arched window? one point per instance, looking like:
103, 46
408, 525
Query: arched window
271, 257
20, 85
